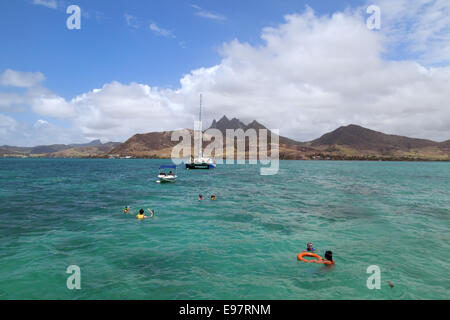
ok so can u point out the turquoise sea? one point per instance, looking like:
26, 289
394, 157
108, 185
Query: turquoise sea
58, 212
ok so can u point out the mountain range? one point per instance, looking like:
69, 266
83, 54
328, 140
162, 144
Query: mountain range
94, 148
350, 142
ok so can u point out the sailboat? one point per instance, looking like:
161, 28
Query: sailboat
200, 162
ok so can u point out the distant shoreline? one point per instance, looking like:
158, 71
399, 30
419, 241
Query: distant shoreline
346, 143
318, 160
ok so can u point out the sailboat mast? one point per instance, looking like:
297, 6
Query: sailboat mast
200, 114
200, 151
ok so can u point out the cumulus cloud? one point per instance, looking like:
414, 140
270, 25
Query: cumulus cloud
41, 132
311, 74
8, 100
38, 98
124, 110
49, 104
7, 124
40, 123
20, 79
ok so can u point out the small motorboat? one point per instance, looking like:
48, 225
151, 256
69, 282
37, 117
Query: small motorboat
170, 176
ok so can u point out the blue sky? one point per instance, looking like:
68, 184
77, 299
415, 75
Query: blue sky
137, 52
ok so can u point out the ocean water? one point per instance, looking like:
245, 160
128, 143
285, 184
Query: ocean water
55, 213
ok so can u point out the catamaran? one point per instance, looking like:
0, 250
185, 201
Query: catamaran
200, 162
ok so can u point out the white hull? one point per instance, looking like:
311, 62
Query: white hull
167, 178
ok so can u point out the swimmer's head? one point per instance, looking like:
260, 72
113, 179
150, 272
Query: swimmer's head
141, 211
213, 197
329, 255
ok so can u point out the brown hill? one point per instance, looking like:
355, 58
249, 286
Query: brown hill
356, 141
361, 138
8, 153
159, 144
224, 123
445, 144
44, 149
147, 145
350, 142
91, 149
82, 152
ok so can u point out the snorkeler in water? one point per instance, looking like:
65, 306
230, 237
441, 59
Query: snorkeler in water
200, 197
309, 247
126, 209
328, 259
213, 197
141, 214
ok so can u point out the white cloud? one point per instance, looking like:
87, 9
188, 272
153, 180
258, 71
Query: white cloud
51, 105
47, 3
206, 14
116, 110
7, 124
160, 31
40, 123
20, 79
131, 21
38, 98
42, 132
10, 99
